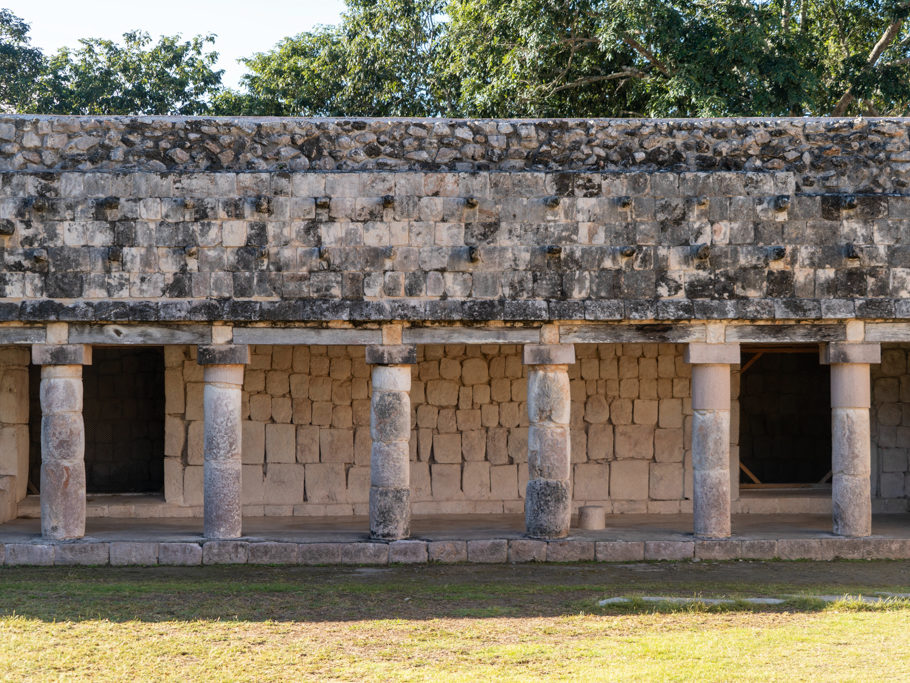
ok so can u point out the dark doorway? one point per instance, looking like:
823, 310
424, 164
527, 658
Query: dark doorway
785, 418
123, 410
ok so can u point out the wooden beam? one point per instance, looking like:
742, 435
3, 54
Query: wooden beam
140, 335
748, 364
786, 334
631, 334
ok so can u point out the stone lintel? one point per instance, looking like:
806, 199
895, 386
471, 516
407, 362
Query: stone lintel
549, 354
61, 354
847, 352
223, 354
392, 354
698, 353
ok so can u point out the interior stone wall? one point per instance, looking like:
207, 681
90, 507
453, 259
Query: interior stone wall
14, 420
891, 428
306, 445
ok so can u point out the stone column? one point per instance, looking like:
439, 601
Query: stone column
390, 430
222, 438
548, 496
711, 436
851, 444
62, 439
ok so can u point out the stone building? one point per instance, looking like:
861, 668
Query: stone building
341, 324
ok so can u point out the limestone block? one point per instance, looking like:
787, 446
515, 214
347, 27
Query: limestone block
336, 445
447, 552
133, 553
570, 550
669, 550
467, 420
271, 552
634, 442
591, 517
225, 552
629, 479
447, 448
446, 482
527, 550
591, 481
621, 411
173, 481
548, 396
282, 409
600, 442
597, 410
307, 444
669, 445
489, 415
14, 395
195, 443
284, 484
82, 553
488, 551
194, 404
473, 445
446, 423
29, 554
280, 443
474, 371
252, 483
319, 553
174, 436
644, 412
497, 451
390, 419
442, 392
504, 482
510, 414
365, 553
192, 485
260, 407
424, 444
619, 551
548, 508
325, 483
666, 481
671, 415
419, 478
475, 480
408, 552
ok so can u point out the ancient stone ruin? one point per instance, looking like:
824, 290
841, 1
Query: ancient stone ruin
308, 340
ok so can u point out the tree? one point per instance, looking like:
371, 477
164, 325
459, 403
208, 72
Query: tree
137, 77
382, 60
20, 64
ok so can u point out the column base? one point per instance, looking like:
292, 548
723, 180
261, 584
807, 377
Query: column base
851, 505
390, 513
62, 501
548, 508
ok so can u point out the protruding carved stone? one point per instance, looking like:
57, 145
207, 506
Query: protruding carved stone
61, 354
395, 354
223, 354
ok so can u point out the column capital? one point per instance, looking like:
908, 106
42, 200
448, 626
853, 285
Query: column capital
223, 354
850, 352
549, 354
700, 353
391, 354
61, 354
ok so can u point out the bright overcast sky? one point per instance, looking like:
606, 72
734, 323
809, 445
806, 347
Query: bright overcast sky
242, 27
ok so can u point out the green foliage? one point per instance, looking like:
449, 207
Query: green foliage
136, 77
20, 63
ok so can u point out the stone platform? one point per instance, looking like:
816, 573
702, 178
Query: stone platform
447, 539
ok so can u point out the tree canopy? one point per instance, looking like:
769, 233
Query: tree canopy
580, 58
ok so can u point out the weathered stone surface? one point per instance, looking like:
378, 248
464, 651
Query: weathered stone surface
619, 551
591, 517
488, 551
364, 553
390, 516
133, 553
31, 554
447, 552
319, 553
548, 508
272, 552
61, 354
180, 554
527, 550
225, 552
79, 553
570, 550
669, 550
223, 354
408, 552
402, 354
222, 450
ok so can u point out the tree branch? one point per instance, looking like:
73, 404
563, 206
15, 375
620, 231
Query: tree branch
887, 38
647, 54
629, 73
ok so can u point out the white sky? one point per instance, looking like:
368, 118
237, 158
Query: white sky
242, 27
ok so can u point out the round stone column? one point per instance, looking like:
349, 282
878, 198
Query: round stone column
851, 444
711, 436
390, 430
548, 496
222, 438
62, 439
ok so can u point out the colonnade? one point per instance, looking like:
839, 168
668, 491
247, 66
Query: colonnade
548, 496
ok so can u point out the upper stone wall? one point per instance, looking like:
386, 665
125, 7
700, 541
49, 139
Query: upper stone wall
827, 154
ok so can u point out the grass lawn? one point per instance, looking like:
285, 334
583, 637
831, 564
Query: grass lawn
454, 623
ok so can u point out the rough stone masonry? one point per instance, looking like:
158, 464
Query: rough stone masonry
413, 316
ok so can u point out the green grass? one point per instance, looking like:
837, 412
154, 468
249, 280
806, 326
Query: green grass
454, 623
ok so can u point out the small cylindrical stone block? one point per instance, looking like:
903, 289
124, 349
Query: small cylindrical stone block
548, 496
851, 449
591, 517
390, 429
62, 452
711, 450
222, 439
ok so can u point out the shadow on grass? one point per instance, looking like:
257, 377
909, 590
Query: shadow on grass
320, 594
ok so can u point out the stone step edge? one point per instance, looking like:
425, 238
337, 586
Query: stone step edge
480, 551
